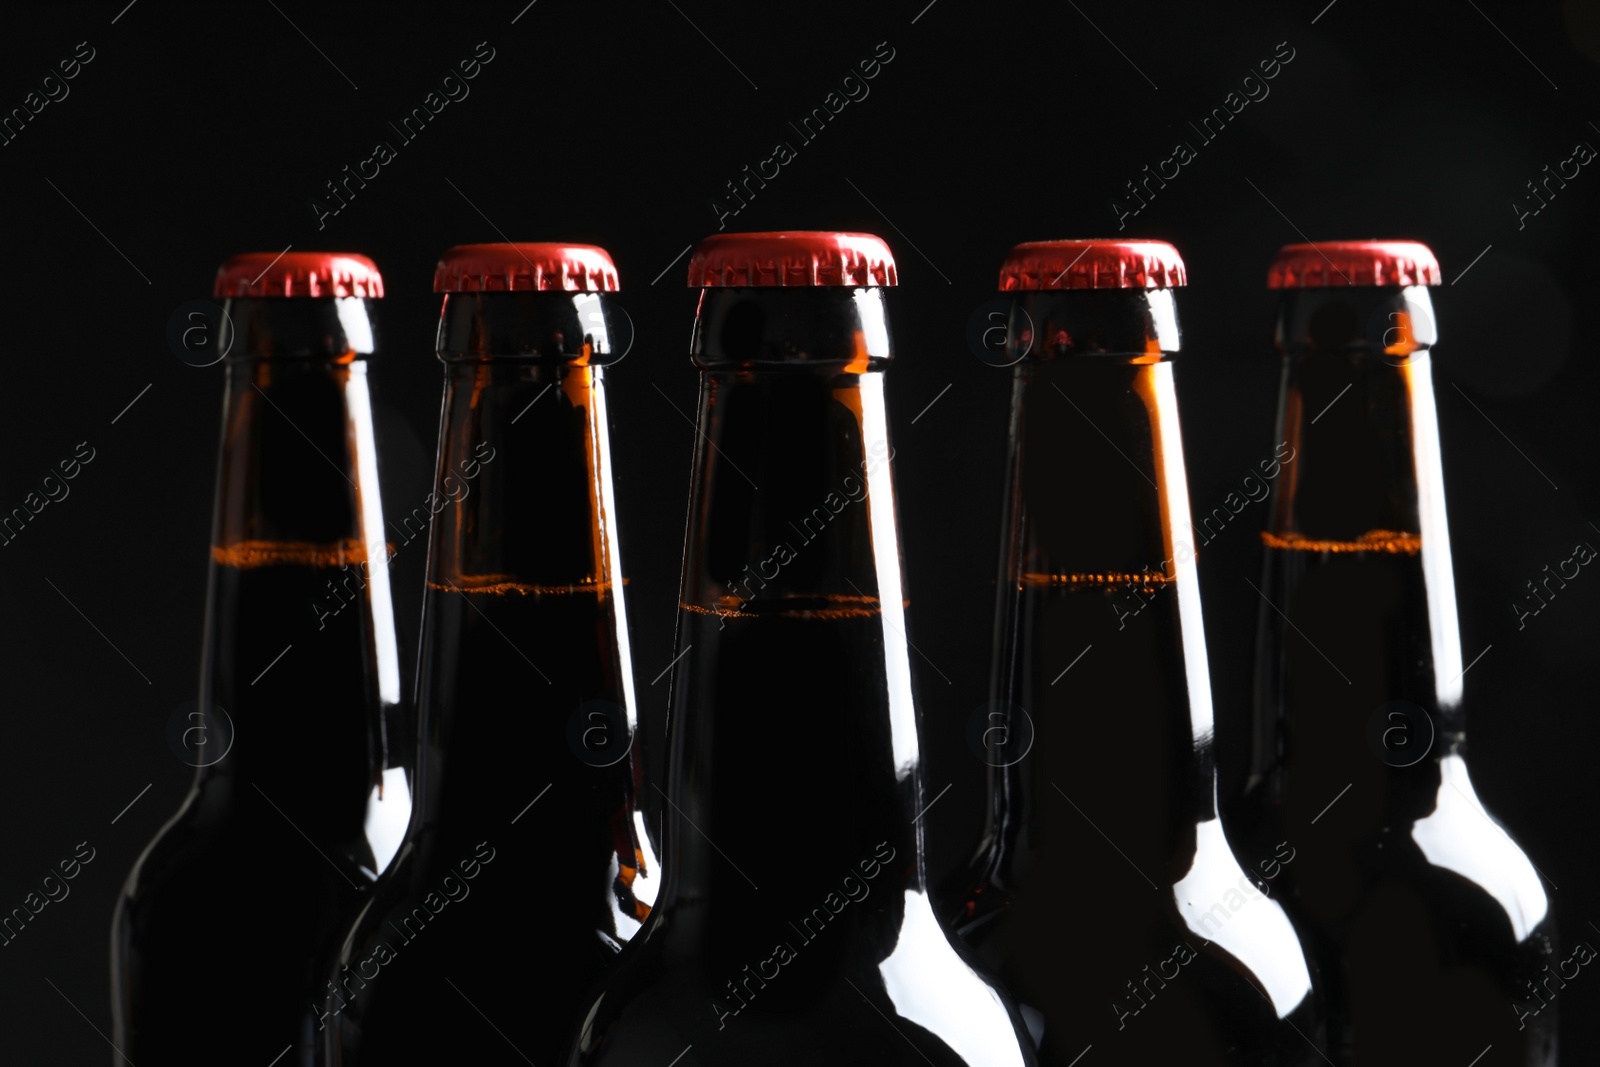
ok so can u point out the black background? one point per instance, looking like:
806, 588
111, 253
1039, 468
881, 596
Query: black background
201, 131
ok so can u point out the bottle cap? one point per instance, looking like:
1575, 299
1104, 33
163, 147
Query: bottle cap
1331, 263
264, 274
1094, 264
793, 257
525, 267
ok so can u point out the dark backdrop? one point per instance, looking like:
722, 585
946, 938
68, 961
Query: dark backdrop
196, 133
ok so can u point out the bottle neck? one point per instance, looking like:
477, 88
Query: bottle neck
297, 475
551, 326
300, 622
1099, 603
792, 609
524, 374
546, 525
1367, 483
1359, 672
524, 580
836, 330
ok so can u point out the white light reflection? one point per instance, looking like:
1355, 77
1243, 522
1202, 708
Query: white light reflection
594, 321
1437, 575
1175, 508
388, 812
600, 435
647, 875
647, 883
359, 402
886, 559
874, 321
624, 924
933, 987
1219, 902
352, 312
1460, 836
1163, 318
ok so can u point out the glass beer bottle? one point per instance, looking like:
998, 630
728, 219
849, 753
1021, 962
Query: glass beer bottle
526, 865
1435, 933
793, 926
297, 803
1105, 894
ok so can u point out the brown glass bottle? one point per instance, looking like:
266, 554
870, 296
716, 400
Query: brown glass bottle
526, 866
793, 926
1434, 930
298, 802
1105, 894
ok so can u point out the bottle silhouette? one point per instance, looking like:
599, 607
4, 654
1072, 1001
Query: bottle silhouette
1105, 894
1433, 929
300, 795
793, 926
526, 865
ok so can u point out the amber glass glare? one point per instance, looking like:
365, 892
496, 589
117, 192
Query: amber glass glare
526, 866
1418, 904
794, 926
1100, 739
285, 829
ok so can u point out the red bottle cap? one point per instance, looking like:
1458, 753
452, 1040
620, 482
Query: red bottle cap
525, 267
1092, 265
1330, 263
793, 257
259, 274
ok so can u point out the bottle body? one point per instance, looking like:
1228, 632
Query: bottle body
527, 843
297, 806
1418, 901
1101, 741
794, 926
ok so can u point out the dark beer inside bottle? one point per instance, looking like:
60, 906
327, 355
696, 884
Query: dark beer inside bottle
293, 812
794, 927
1101, 754
291, 560
1349, 524
1422, 905
784, 582
529, 847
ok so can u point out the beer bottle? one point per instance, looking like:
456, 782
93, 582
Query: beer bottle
1436, 933
526, 865
297, 803
793, 926
1106, 895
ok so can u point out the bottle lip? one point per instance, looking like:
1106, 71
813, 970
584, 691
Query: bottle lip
297, 274
525, 266
1377, 262
1092, 263
815, 258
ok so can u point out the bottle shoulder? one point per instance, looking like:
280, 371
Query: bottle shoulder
222, 836
891, 981
1459, 836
